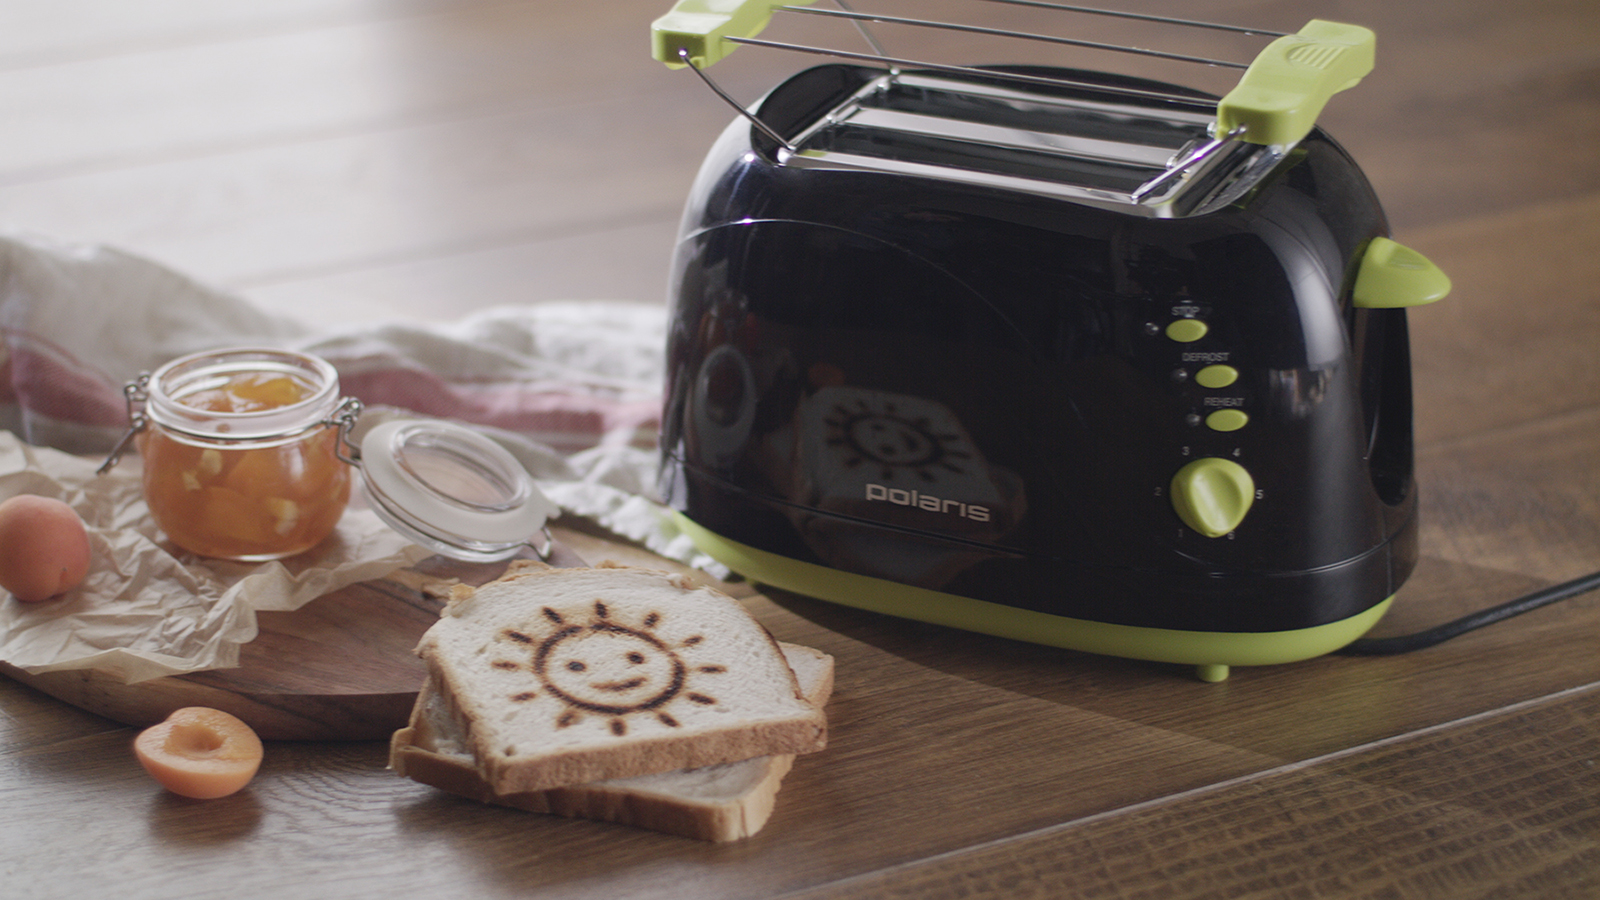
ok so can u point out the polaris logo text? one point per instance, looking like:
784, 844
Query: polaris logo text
919, 500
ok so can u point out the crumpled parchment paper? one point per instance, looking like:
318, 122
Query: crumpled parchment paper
146, 609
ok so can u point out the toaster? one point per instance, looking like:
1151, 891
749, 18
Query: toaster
1057, 355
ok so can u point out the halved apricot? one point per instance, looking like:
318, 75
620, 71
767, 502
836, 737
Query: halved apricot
200, 752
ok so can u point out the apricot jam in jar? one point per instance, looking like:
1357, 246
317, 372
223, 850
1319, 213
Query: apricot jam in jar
241, 452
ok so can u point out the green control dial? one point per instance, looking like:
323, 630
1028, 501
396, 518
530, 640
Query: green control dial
1212, 495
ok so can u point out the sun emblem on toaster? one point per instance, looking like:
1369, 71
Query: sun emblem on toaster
883, 436
604, 667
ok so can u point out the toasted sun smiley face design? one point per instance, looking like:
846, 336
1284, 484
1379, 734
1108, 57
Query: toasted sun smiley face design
608, 668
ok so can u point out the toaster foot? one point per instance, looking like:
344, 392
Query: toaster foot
1211, 673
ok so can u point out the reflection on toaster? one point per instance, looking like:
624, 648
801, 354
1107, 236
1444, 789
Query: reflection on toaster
722, 406
866, 458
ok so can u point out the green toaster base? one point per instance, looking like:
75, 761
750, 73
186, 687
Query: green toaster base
1211, 653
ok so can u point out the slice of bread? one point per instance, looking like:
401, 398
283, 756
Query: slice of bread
724, 802
556, 677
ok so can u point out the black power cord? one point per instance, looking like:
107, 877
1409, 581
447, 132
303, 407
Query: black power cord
1441, 633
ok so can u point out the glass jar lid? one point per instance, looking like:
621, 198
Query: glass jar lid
451, 489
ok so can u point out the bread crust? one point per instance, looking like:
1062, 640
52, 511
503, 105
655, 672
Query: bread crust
666, 803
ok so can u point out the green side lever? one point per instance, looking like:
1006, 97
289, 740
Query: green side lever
697, 27
1281, 94
1393, 276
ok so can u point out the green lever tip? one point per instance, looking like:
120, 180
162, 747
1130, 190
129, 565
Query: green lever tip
1282, 93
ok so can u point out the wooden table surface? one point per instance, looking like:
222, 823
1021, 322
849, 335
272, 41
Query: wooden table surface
346, 159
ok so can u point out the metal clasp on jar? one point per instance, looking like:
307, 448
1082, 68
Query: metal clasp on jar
344, 418
135, 393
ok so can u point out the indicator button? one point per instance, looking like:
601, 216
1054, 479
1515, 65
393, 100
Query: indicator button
1212, 495
1227, 420
1216, 376
1187, 331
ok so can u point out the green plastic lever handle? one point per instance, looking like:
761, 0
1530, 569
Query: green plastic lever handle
699, 26
1284, 90
1394, 276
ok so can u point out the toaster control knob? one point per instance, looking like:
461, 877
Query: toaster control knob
1212, 495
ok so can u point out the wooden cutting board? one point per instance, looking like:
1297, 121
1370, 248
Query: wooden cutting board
341, 667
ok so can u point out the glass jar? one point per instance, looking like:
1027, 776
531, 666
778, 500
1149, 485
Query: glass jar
241, 452
249, 455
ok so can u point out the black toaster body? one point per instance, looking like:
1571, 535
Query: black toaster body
1171, 436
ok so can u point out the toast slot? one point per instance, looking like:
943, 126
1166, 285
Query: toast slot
1083, 146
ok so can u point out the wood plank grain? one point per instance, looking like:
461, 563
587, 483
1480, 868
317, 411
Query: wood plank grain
68, 31
1514, 341
209, 97
30, 719
204, 97
1525, 498
1504, 806
340, 668
1470, 111
299, 210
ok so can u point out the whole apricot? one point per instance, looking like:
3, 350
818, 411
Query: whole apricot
200, 752
44, 548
